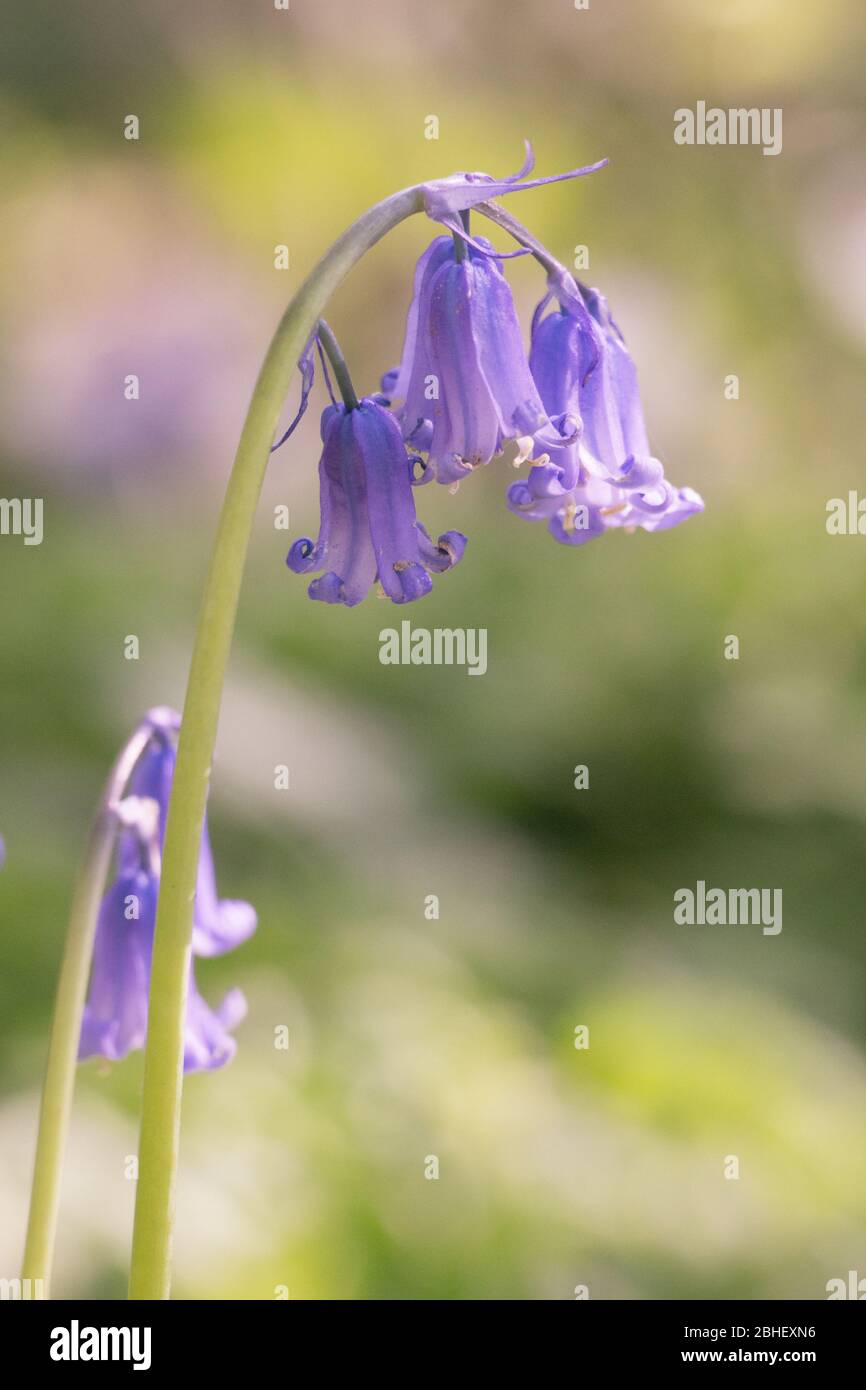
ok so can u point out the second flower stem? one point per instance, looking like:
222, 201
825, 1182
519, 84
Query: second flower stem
333, 352
59, 1083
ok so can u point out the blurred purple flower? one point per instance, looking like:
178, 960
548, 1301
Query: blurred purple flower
368, 526
219, 925
598, 473
115, 1016
144, 290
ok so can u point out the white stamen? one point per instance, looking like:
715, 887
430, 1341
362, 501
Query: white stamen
525, 445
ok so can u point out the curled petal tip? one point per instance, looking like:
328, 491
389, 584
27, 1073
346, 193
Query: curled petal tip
518, 495
451, 547
388, 381
300, 557
414, 582
639, 473
232, 1009
328, 588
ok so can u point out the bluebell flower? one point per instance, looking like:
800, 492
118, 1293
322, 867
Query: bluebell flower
464, 382
464, 387
115, 1015
597, 472
368, 527
219, 925
464, 379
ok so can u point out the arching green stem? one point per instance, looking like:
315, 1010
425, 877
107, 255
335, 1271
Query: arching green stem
160, 1120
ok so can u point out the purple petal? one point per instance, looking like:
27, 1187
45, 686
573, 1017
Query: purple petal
540, 496
328, 588
577, 527
639, 473
685, 503
612, 408
414, 364
115, 1015
207, 1041
344, 548
501, 353
381, 457
445, 554
389, 381
218, 925
466, 421
557, 360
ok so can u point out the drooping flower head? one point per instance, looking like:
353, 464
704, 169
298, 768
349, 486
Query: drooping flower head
464, 379
115, 1016
464, 387
368, 526
601, 473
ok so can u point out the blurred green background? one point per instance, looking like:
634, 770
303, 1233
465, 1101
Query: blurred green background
305, 1169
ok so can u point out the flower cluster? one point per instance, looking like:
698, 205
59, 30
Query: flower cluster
464, 387
115, 1016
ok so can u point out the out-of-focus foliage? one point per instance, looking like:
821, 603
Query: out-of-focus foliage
454, 1037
